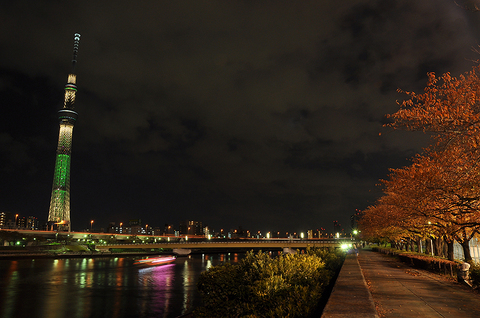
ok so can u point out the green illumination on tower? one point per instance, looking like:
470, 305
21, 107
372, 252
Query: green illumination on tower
59, 212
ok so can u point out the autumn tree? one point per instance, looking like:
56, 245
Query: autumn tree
442, 185
449, 109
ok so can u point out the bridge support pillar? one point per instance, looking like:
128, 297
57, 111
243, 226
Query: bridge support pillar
289, 250
182, 251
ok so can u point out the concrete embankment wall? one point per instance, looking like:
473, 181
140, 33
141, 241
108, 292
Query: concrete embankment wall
350, 296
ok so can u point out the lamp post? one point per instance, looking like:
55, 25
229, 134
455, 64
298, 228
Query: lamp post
16, 216
91, 226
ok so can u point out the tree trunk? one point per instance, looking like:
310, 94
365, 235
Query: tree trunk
442, 248
466, 250
429, 246
450, 251
419, 244
437, 246
445, 247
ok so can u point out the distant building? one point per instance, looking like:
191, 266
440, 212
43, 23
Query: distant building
9, 220
206, 232
134, 222
157, 231
5, 217
169, 229
112, 228
135, 227
28, 223
191, 228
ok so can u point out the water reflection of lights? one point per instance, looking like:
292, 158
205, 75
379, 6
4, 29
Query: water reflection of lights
11, 292
154, 269
208, 262
187, 282
117, 303
157, 281
111, 287
56, 300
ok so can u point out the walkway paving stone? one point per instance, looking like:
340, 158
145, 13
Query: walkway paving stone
401, 291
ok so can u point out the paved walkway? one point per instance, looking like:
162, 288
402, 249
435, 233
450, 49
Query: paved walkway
350, 297
401, 291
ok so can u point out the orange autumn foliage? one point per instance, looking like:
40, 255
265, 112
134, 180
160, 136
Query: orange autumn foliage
439, 194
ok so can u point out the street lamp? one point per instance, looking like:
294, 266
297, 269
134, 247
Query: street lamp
91, 225
16, 216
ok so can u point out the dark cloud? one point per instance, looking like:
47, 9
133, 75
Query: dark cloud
261, 114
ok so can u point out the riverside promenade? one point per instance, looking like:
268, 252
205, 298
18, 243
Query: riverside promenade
376, 285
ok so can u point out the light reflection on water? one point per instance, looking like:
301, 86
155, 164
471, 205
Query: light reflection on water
102, 287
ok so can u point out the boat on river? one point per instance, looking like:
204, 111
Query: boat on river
154, 261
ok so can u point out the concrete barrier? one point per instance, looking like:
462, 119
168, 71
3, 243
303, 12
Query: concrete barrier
350, 297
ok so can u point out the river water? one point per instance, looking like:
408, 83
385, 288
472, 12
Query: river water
102, 287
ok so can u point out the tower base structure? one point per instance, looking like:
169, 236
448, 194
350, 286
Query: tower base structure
58, 227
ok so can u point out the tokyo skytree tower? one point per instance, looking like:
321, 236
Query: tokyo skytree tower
59, 212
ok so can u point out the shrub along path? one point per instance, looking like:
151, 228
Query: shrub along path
402, 291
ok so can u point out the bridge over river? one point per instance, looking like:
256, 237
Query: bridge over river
110, 241
234, 244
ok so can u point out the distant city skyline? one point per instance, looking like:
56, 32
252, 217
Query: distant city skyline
11, 221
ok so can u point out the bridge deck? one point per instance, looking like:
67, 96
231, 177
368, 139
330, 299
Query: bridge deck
254, 244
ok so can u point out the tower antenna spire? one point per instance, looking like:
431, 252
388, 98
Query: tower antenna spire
76, 41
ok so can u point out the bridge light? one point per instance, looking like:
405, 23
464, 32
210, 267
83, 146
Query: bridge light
346, 246
338, 235
302, 235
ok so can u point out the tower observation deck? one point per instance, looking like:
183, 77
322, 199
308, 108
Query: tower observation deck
59, 212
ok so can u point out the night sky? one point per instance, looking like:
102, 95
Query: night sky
261, 114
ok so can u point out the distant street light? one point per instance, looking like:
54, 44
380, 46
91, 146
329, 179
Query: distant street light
16, 216
91, 225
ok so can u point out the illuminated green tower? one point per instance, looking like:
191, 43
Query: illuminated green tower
59, 212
